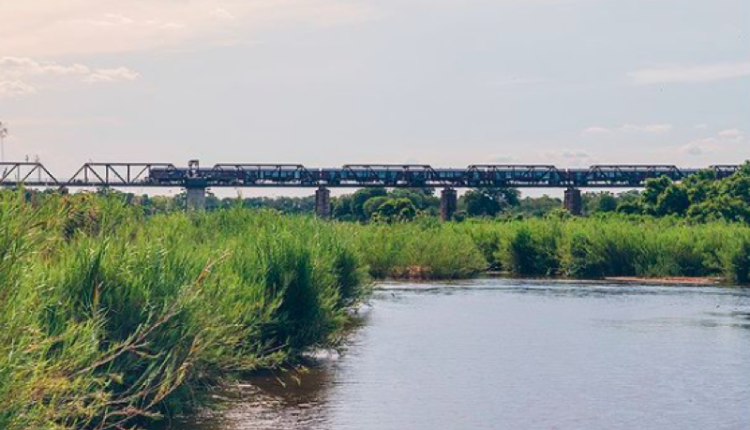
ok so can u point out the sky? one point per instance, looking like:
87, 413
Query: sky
329, 82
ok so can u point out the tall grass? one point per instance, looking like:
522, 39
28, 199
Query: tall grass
428, 250
588, 248
616, 246
117, 316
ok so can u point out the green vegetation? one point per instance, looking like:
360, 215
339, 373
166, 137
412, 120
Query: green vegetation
379, 204
108, 315
578, 248
699, 198
427, 249
592, 248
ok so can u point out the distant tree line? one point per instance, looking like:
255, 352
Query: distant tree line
701, 197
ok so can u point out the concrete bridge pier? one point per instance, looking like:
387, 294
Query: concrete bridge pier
573, 202
448, 204
196, 198
323, 203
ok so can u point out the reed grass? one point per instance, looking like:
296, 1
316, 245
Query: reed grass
588, 248
109, 316
592, 248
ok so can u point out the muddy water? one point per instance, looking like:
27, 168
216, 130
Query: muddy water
498, 354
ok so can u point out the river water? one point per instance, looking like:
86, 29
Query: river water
501, 354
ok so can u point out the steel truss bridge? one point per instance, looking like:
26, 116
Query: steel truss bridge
166, 175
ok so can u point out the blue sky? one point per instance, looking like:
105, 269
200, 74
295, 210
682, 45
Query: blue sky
328, 82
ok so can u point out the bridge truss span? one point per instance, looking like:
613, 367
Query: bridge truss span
168, 175
125, 175
31, 174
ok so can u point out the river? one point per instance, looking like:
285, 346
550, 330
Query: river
517, 355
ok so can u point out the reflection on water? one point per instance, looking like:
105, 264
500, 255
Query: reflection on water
499, 354
281, 400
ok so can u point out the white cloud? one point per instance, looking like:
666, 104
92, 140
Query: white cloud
112, 75
571, 154
117, 20
222, 14
501, 158
724, 138
690, 74
596, 130
22, 76
701, 126
733, 134
700, 146
22, 66
112, 19
15, 89
568, 158
650, 128
40, 28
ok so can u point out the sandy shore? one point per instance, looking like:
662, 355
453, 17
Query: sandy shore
675, 280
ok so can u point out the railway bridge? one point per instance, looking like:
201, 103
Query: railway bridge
196, 179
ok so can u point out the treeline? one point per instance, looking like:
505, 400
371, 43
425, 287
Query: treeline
700, 198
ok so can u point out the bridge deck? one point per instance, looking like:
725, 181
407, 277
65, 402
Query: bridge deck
355, 176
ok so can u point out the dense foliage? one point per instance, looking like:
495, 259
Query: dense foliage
584, 248
108, 315
601, 247
700, 198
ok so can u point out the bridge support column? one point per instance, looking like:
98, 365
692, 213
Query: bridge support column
196, 198
573, 202
323, 203
448, 204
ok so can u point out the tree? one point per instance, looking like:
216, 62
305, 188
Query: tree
395, 210
673, 201
422, 198
538, 206
360, 197
702, 196
629, 208
600, 202
341, 208
489, 201
607, 203
654, 188
373, 205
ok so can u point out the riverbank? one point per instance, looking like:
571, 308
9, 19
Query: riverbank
669, 280
110, 315
573, 248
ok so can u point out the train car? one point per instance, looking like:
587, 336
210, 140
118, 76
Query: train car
166, 175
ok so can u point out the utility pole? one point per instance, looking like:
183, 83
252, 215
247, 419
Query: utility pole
3, 135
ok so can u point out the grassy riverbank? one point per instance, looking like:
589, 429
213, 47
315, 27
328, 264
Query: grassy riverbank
586, 248
108, 313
